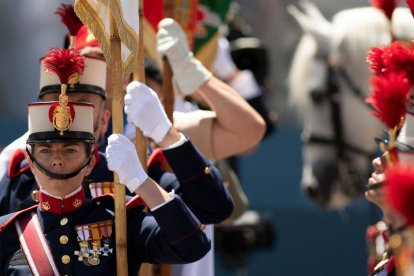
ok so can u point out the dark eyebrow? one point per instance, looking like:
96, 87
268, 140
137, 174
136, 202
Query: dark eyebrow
71, 144
46, 145
67, 144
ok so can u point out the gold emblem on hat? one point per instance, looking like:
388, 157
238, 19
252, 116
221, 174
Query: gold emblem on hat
62, 119
77, 203
46, 206
62, 115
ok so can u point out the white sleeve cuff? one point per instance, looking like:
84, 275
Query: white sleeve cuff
182, 140
172, 196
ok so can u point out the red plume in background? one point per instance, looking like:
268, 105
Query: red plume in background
410, 4
64, 63
400, 190
394, 58
387, 6
375, 60
399, 58
389, 97
69, 18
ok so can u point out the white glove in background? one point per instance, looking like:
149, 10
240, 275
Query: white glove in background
143, 109
245, 84
223, 65
242, 81
122, 158
188, 72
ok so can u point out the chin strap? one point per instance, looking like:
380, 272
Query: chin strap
57, 175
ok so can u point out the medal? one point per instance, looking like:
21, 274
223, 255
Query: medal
95, 252
105, 250
83, 237
89, 238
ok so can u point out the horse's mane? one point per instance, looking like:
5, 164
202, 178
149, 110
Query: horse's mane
355, 31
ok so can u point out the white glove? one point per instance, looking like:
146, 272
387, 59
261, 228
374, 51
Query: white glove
245, 84
223, 65
144, 110
314, 23
122, 158
189, 73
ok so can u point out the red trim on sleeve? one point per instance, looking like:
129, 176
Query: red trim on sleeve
16, 158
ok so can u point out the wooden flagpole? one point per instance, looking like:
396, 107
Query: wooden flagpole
118, 127
167, 87
146, 269
139, 75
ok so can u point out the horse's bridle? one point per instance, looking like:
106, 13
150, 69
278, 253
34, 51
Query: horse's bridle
332, 95
342, 148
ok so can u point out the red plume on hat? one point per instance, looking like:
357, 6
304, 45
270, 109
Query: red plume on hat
393, 67
68, 65
394, 58
68, 17
387, 6
400, 190
390, 86
375, 59
410, 4
389, 97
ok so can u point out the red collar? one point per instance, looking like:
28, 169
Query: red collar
61, 206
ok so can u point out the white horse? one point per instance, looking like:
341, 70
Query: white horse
327, 85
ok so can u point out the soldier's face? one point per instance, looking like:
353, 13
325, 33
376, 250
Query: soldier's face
61, 158
101, 115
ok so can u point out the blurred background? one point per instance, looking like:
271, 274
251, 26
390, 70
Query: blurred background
307, 240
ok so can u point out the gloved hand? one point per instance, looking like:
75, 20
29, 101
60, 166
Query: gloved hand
144, 110
189, 73
223, 65
314, 23
122, 158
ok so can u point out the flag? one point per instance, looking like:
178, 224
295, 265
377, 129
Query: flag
96, 14
200, 20
210, 16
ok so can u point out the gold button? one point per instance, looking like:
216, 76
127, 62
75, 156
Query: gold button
65, 259
207, 170
63, 221
63, 239
202, 227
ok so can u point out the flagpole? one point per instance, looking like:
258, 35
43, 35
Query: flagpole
139, 75
118, 127
146, 269
167, 101
167, 87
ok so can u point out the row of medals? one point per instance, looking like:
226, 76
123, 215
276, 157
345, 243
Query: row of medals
90, 256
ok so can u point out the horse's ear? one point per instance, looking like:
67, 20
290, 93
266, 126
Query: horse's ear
313, 23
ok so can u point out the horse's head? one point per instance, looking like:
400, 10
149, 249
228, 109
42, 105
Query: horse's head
338, 130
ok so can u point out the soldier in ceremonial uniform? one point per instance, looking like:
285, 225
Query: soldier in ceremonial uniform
204, 193
398, 114
89, 89
379, 195
218, 132
69, 234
